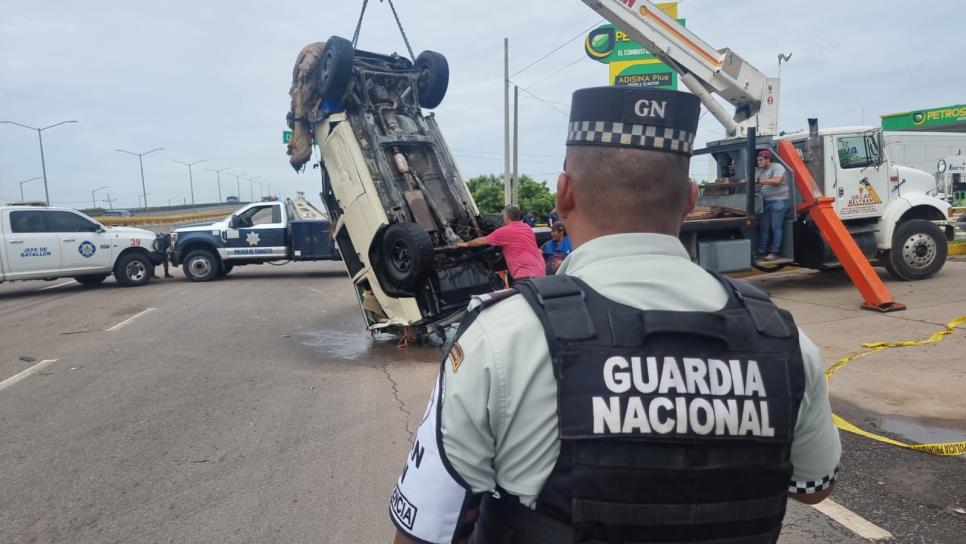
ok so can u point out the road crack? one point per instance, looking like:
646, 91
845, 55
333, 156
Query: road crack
402, 405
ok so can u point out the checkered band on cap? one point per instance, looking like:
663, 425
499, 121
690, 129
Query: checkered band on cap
638, 136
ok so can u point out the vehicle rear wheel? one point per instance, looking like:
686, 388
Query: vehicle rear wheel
918, 251
133, 269
201, 265
407, 255
433, 79
226, 268
93, 279
335, 69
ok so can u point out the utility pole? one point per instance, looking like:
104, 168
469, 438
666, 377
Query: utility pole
40, 138
507, 187
515, 198
26, 181
93, 201
191, 179
110, 201
144, 190
219, 178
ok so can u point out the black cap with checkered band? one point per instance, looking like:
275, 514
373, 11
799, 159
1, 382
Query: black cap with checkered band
634, 117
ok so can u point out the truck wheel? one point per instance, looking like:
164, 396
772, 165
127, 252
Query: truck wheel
407, 255
133, 269
433, 79
93, 279
918, 250
201, 265
226, 268
335, 69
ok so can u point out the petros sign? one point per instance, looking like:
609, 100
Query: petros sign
925, 119
629, 62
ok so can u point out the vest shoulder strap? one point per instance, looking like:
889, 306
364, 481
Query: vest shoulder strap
769, 319
559, 302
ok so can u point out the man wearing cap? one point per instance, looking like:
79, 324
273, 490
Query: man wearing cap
633, 396
556, 249
770, 182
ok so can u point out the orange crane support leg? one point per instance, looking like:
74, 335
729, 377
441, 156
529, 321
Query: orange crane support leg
874, 293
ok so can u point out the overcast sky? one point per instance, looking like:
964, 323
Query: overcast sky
209, 80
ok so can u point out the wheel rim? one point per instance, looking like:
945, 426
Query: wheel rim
919, 251
402, 259
136, 271
199, 267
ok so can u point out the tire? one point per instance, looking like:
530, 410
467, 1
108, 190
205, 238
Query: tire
918, 251
93, 279
226, 268
407, 255
335, 70
433, 79
133, 269
201, 265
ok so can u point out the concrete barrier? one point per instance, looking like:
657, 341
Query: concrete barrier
148, 220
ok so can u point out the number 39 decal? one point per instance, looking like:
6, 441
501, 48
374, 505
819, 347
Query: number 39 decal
136, 242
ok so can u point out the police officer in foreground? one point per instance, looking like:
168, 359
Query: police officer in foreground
633, 396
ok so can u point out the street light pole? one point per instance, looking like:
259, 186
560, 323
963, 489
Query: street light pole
218, 172
93, 200
191, 179
40, 138
144, 190
26, 181
238, 183
145, 201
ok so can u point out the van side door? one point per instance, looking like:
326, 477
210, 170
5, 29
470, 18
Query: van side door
32, 250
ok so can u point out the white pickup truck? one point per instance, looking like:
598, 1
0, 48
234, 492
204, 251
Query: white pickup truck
40, 242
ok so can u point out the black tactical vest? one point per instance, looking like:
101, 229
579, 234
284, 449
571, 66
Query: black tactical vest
674, 426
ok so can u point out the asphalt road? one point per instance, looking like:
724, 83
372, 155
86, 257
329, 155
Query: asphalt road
257, 409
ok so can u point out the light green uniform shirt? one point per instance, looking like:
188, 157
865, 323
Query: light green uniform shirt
499, 407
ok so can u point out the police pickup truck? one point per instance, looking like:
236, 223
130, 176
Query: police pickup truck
261, 232
41, 242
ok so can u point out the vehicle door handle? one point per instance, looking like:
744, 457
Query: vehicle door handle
69, 239
16, 241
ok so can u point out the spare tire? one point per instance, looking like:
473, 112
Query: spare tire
433, 78
407, 255
335, 70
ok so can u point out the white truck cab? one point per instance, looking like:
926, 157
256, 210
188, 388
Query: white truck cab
873, 195
40, 242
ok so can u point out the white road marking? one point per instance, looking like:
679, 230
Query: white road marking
852, 521
327, 294
24, 373
124, 323
56, 286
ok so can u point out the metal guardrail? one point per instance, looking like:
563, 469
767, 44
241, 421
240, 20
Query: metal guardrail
145, 220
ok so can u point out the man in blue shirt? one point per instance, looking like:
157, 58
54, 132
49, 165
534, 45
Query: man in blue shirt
557, 248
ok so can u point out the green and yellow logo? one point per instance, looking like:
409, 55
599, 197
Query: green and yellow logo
600, 42
918, 118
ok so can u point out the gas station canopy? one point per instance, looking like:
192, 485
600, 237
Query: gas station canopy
945, 119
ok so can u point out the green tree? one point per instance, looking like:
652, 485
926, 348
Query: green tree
534, 195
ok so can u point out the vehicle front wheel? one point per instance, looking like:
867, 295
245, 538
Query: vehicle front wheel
201, 265
133, 269
407, 255
918, 251
226, 268
93, 279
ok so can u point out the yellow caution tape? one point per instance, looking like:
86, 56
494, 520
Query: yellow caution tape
939, 448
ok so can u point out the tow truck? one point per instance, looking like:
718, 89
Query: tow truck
853, 206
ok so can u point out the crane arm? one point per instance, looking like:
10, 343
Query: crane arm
702, 69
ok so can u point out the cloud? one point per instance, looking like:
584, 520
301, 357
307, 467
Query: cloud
210, 81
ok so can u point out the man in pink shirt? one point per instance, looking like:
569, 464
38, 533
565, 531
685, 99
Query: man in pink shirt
519, 245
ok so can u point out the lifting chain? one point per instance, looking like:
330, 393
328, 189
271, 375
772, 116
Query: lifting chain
402, 31
355, 35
